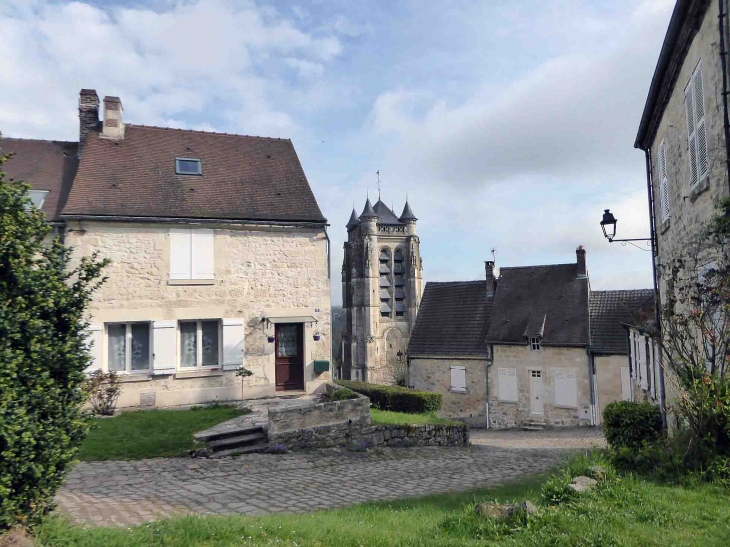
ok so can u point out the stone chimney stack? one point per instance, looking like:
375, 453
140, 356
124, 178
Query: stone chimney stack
580, 254
113, 124
489, 268
88, 114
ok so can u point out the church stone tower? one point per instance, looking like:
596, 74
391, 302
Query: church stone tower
382, 284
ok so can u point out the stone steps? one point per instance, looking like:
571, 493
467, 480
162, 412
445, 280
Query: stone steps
238, 441
533, 425
244, 439
252, 449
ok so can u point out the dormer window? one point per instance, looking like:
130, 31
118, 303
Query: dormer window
535, 343
188, 166
38, 197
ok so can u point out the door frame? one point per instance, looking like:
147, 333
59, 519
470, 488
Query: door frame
301, 357
542, 391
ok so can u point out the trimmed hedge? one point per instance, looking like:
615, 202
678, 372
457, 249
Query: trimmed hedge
630, 425
397, 399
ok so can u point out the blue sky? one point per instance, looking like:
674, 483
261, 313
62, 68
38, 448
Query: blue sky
509, 125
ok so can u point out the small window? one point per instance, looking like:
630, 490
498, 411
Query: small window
535, 343
38, 197
199, 343
458, 379
128, 347
187, 166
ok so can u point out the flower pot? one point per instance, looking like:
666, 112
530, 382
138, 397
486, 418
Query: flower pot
317, 337
270, 339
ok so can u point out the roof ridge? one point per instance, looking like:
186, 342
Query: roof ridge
535, 266
623, 290
36, 140
200, 131
455, 282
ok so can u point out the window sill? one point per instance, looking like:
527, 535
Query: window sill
462, 391
665, 226
134, 377
506, 401
700, 189
566, 407
198, 374
191, 281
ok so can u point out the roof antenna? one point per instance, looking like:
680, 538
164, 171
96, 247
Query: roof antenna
378, 173
494, 255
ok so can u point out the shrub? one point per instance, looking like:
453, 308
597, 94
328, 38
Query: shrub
343, 394
397, 399
630, 425
103, 390
43, 356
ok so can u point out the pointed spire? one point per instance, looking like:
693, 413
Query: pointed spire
353, 220
368, 212
407, 213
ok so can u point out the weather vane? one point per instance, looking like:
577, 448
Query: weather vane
378, 173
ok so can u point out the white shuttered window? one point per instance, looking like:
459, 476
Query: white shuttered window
664, 181
694, 103
192, 254
458, 379
566, 391
507, 380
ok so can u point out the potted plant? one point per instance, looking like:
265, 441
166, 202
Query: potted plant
317, 336
243, 373
270, 338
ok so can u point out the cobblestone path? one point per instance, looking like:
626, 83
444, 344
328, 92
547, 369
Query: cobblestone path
127, 493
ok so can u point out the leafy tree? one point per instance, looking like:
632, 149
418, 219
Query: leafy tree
42, 356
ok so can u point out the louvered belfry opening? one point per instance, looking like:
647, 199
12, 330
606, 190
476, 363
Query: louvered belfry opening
386, 287
399, 282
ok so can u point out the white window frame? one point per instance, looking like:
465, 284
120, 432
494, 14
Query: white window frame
535, 343
458, 369
42, 194
663, 182
199, 345
178, 171
694, 99
128, 346
191, 234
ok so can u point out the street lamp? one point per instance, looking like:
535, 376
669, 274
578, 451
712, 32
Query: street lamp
608, 225
399, 356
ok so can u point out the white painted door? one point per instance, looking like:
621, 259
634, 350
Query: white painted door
536, 392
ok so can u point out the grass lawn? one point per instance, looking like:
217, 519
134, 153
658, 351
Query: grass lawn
624, 512
386, 417
151, 433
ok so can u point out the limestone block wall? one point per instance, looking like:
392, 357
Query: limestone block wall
434, 374
504, 414
258, 270
608, 379
688, 208
353, 411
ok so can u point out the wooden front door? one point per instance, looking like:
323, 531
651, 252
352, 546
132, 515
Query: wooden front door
289, 352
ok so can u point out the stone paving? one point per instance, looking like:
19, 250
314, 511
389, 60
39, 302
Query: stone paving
128, 493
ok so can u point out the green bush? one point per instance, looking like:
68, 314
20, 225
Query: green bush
43, 356
631, 425
397, 399
343, 394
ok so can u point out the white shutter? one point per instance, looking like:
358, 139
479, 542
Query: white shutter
664, 184
625, 384
507, 380
94, 340
203, 254
164, 340
700, 133
643, 360
233, 343
691, 135
458, 379
180, 254
566, 393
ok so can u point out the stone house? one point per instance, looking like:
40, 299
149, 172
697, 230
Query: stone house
382, 284
219, 255
518, 349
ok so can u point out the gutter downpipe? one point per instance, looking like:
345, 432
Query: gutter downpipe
657, 303
488, 367
329, 278
723, 62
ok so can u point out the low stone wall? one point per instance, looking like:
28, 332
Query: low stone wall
355, 436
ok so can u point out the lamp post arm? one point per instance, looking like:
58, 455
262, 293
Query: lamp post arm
611, 240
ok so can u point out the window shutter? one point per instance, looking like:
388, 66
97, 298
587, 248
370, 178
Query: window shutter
203, 254
164, 342
458, 379
233, 343
180, 254
664, 188
565, 388
507, 384
94, 341
644, 365
691, 135
625, 384
700, 133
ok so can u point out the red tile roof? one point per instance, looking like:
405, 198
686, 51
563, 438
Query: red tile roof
44, 165
243, 178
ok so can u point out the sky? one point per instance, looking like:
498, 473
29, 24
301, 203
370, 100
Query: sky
508, 125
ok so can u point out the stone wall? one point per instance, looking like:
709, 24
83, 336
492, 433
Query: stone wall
608, 379
258, 270
354, 412
548, 360
354, 436
434, 374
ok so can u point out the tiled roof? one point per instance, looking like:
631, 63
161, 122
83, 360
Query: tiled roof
44, 165
611, 308
385, 215
549, 298
452, 320
243, 178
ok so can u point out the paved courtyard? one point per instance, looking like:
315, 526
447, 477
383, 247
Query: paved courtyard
128, 493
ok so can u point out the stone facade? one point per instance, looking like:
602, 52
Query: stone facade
548, 360
372, 340
608, 379
689, 208
260, 271
353, 411
434, 374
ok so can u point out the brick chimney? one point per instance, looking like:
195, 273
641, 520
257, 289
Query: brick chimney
580, 254
88, 115
113, 124
489, 269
